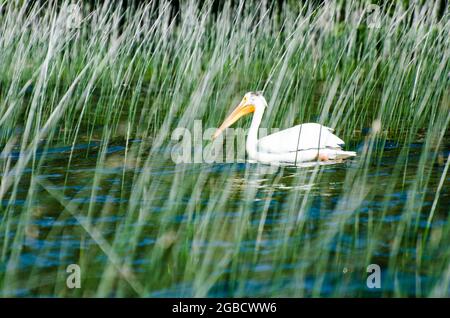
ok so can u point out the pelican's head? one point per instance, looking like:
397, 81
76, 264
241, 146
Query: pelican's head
252, 102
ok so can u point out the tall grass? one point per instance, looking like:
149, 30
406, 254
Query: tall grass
128, 78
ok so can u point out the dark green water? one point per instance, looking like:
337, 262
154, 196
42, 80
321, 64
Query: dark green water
54, 238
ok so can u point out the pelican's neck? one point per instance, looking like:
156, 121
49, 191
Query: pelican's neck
252, 138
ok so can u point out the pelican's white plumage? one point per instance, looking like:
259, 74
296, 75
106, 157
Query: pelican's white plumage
312, 136
301, 143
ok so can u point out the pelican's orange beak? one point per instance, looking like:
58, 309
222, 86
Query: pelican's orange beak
242, 109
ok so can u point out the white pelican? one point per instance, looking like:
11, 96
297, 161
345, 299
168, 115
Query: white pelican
301, 143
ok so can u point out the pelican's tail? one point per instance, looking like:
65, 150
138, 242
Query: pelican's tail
341, 154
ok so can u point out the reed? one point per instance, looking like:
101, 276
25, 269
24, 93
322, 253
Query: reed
86, 117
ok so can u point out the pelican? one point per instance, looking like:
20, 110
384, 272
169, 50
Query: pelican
301, 143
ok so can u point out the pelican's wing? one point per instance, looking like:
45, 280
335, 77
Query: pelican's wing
300, 137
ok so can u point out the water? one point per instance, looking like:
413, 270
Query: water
240, 244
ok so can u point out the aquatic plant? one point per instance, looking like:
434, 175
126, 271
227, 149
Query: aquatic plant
88, 106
